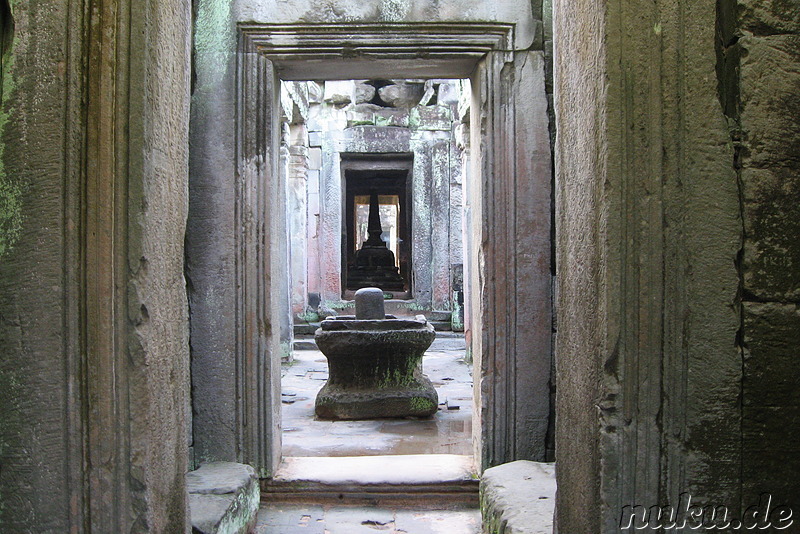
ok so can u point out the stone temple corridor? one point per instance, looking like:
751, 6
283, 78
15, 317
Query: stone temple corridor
602, 197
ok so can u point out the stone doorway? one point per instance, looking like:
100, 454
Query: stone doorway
510, 314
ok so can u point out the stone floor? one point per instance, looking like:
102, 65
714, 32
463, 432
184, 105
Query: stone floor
448, 432
315, 519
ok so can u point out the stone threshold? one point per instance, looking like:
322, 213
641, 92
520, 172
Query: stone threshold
434, 480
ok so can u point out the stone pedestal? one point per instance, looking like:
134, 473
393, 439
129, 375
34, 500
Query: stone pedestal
375, 367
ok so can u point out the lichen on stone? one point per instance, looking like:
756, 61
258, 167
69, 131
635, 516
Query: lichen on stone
10, 191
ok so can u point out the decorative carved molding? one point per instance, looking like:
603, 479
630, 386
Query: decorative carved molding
348, 50
384, 40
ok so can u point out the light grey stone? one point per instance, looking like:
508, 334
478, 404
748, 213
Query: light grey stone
219, 477
370, 303
208, 510
448, 93
223, 498
363, 93
405, 95
518, 498
339, 91
316, 92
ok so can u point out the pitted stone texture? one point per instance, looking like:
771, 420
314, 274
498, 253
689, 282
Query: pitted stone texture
223, 498
402, 95
418, 399
363, 93
376, 373
770, 77
771, 404
369, 303
390, 323
80, 385
518, 498
219, 477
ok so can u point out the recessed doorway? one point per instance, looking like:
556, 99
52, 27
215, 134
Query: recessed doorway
510, 162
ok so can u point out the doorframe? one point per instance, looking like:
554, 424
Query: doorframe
508, 202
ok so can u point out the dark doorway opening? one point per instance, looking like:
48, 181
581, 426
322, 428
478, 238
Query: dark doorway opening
389, 177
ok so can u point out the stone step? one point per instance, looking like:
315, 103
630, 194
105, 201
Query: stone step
304, 329
518, 498
223, 498
434, 479
440, 315
304, 343
441, 325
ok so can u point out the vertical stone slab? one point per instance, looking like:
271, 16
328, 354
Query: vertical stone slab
312, 225
421, 244
95, 333
261, 288
514, 256
297, 210
330, 221
648, 231
211, 236
236, 248
43, 424
440, 224
580, 106
157, 349
702, 368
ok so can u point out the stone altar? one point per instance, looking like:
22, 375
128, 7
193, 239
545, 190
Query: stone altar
375, 363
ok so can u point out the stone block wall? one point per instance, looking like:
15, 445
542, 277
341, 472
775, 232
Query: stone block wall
677, 251
418, 123
761, 41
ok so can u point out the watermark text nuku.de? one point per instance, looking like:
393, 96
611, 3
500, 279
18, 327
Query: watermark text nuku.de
766, 514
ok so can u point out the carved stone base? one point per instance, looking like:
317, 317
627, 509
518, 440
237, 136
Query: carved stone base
416, 400
375, 369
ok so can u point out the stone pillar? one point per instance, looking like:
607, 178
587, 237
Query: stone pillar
330, 215
510, 288
236, 247
297, 212
313, 220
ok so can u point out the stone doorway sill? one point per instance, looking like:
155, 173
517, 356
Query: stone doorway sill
435, 479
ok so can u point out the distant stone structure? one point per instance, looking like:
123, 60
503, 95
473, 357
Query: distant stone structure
375, 363
374, 262
402, 140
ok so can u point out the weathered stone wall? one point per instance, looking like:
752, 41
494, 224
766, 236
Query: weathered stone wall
36, 455
211, 237
677, 253
158, 345
94, 391
762, 39
580, 105
342, 121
